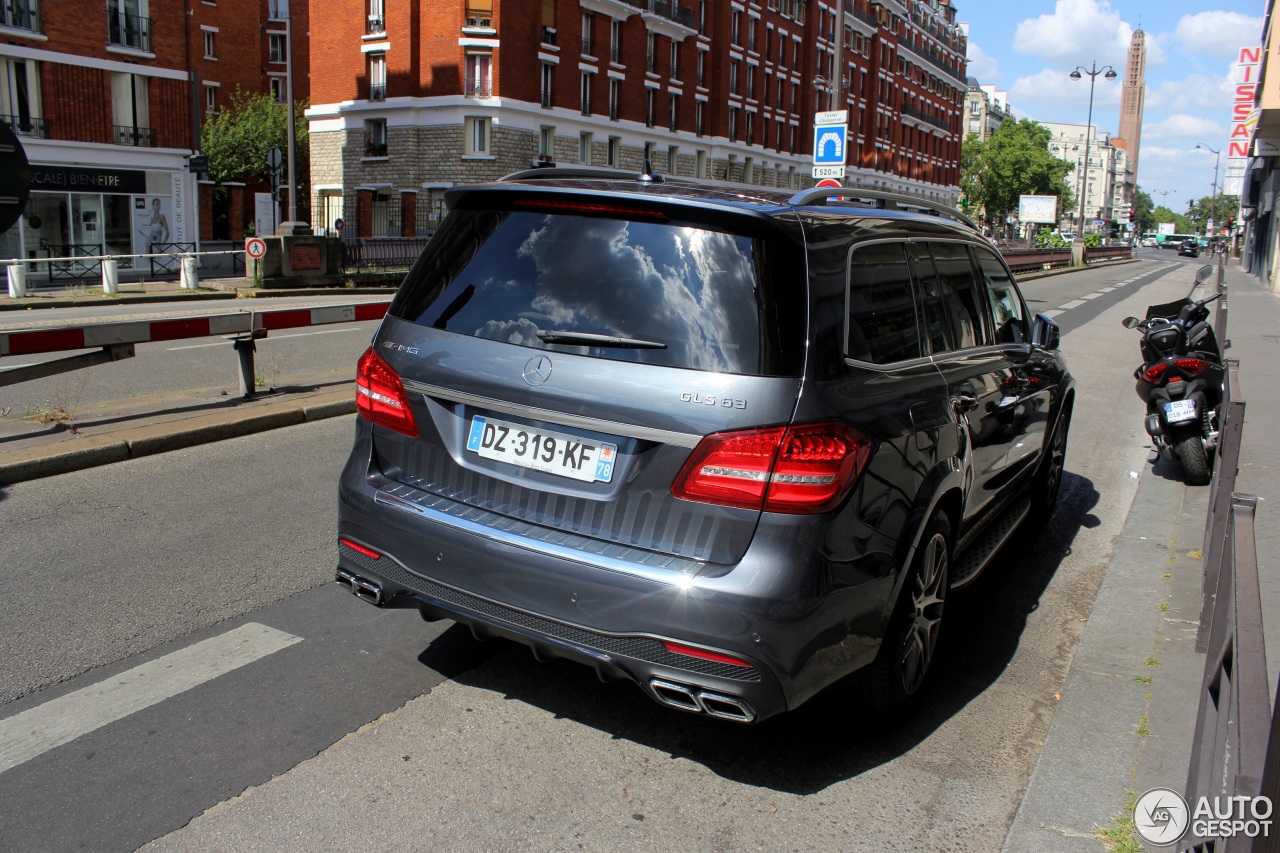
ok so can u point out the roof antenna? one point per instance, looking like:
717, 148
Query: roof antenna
647, 174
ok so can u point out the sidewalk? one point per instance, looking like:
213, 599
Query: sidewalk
1126, 719
142, 426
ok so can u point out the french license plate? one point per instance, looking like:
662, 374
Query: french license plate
1177, 411
542, 450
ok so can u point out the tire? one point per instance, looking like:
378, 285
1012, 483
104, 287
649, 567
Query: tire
902, 667
1047, 482
1195, 462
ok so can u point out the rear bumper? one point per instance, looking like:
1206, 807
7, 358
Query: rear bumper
773, 611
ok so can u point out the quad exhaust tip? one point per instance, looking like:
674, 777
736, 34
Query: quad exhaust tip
695, 700
362, 588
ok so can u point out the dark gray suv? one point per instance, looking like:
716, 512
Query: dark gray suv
731, 444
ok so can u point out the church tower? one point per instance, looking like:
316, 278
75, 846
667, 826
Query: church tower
1131, 99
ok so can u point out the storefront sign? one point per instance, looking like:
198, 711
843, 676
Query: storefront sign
78, 179
180, 207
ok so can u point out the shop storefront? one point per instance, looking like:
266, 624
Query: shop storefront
82, 212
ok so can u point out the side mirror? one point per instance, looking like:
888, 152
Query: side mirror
1045, 333
1204, 272
1131, 322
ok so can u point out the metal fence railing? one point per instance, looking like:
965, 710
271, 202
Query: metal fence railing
378, 254
73, 260
168, 264
1236, 747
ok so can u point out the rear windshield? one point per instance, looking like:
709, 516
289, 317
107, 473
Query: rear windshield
666, 293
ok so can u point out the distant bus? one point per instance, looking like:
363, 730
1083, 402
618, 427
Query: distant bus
1173, 241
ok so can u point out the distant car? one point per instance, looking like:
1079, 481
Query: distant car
1149, 242
1070, 238
1189, 248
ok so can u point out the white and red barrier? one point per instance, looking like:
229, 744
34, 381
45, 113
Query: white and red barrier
115, 341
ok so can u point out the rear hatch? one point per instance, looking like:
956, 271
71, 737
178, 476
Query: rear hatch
563, 354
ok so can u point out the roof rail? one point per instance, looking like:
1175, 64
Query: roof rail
570, 172
881, 201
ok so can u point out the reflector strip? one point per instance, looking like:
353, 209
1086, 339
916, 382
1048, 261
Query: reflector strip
692, 652
373, 555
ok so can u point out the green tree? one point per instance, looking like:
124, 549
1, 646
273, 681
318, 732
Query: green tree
237, 139
1143, 220
1015, 161
1218, 209
1181, 224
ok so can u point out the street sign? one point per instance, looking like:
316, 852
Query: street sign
15, 178
274, 158
255, 248
828, 145
836, 172
827, 182
831, 117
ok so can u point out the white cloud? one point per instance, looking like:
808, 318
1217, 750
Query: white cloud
1196, 92
1184, 127
982, 64
1052, 95
1218, 34
1077, 31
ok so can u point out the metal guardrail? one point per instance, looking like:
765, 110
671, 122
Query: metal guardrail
1028, 260
1236, 748
370, 254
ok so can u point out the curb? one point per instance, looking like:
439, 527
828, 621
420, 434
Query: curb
77, 454
29, 302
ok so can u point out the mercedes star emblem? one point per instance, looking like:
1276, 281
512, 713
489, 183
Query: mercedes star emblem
537, 370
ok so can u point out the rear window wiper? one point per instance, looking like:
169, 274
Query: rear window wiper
587, 339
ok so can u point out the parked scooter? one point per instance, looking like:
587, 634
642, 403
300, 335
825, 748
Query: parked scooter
1180, 380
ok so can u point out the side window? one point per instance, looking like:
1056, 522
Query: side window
933, 307
955, 272
1006, 304
883, 327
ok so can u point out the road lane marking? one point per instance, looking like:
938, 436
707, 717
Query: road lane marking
272, 337
58, 721
1107, 289
1052, 314
1091, 296
1074, 303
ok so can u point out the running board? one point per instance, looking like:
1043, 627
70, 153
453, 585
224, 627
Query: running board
992, 538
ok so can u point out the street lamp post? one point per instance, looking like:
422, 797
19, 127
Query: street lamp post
1216, 159
1093, 72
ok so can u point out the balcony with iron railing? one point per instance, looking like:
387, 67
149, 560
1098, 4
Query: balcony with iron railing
29, 126
479, 90
126, 134
917, 113
20, 15
376, 25
377, 91
681, 15
478, 19
131, 31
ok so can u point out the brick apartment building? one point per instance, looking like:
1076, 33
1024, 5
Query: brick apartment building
107, 101
413, 96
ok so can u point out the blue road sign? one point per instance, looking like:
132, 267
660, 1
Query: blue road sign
828, 145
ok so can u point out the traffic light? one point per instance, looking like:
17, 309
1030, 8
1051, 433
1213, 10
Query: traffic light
1231, 223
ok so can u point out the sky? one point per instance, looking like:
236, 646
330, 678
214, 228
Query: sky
1192, 50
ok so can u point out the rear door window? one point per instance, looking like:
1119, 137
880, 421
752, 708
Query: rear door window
883, 325
960, 292
654, 292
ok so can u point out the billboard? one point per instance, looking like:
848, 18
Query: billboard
1165, 229
1038, 208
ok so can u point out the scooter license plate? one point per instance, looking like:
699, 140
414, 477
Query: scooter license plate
1177, 411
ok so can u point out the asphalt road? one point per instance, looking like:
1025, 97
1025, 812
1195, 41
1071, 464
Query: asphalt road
370, 729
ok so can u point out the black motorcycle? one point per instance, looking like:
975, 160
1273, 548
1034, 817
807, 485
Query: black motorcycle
1180, 380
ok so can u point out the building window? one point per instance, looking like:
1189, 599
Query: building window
478, 75
702, 17
673, 153
377, 76
615, 41
733, 124
479, 14
477, 131
735, 27
210, 46
700, 165
733, 77
587, 19
651, 53
547, 143
377, 23
673, 113
751, 34
548, 84
615, 98
375, 137
128, 24
584, 148
702, 68
751, 82
21, 15
697, 117
614, 157
210, 97
648, 107
20, 97
674, 70
549, 22
130, 109
276, 51
585, 96
751, 128
648, 156
279, 89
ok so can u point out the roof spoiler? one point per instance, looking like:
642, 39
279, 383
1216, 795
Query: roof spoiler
881, 201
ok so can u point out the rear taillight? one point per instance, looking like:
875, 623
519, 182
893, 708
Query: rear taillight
1153, 373
380, 396
800, 469
691, 651
1191, 366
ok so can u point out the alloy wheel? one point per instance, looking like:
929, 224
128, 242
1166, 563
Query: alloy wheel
928, 594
